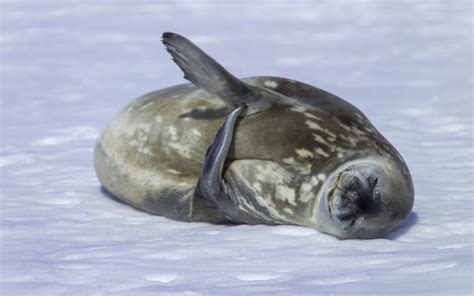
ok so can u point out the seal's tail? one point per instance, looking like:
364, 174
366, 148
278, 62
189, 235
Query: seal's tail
206, 73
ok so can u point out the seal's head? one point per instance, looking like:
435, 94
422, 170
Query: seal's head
365, 199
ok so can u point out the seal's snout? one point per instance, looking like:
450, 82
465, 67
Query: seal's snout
366, 200
354, 195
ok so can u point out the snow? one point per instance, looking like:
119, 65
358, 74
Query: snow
67, 67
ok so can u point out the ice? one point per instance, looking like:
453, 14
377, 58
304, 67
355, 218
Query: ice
67, 68
249, 277
69, 135
163, 278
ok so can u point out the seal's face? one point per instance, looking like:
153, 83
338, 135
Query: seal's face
365, 199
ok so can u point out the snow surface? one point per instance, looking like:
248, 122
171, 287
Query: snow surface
69, 66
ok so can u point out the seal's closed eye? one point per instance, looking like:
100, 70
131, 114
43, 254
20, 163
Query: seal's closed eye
350, 181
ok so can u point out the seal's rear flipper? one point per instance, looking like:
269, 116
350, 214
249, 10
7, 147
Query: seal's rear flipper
206, 73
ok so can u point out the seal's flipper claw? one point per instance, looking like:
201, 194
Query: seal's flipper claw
206, 73
210, 182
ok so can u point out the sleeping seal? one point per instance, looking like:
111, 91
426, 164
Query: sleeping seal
256, 150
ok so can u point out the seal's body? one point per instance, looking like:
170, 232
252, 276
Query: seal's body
289, 154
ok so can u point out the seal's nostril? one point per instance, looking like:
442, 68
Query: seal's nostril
374, 182
364, 204
353, 221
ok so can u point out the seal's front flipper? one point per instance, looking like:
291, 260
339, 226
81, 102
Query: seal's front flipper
206, 73
210, 183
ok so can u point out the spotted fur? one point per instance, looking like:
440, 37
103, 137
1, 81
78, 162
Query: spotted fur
152, 153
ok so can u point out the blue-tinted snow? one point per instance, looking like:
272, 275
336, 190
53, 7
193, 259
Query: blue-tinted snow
69, 66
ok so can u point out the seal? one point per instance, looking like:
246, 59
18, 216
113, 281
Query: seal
258, 150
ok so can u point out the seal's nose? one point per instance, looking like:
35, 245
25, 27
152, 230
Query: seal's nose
354, 195
388, 199
367, 199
